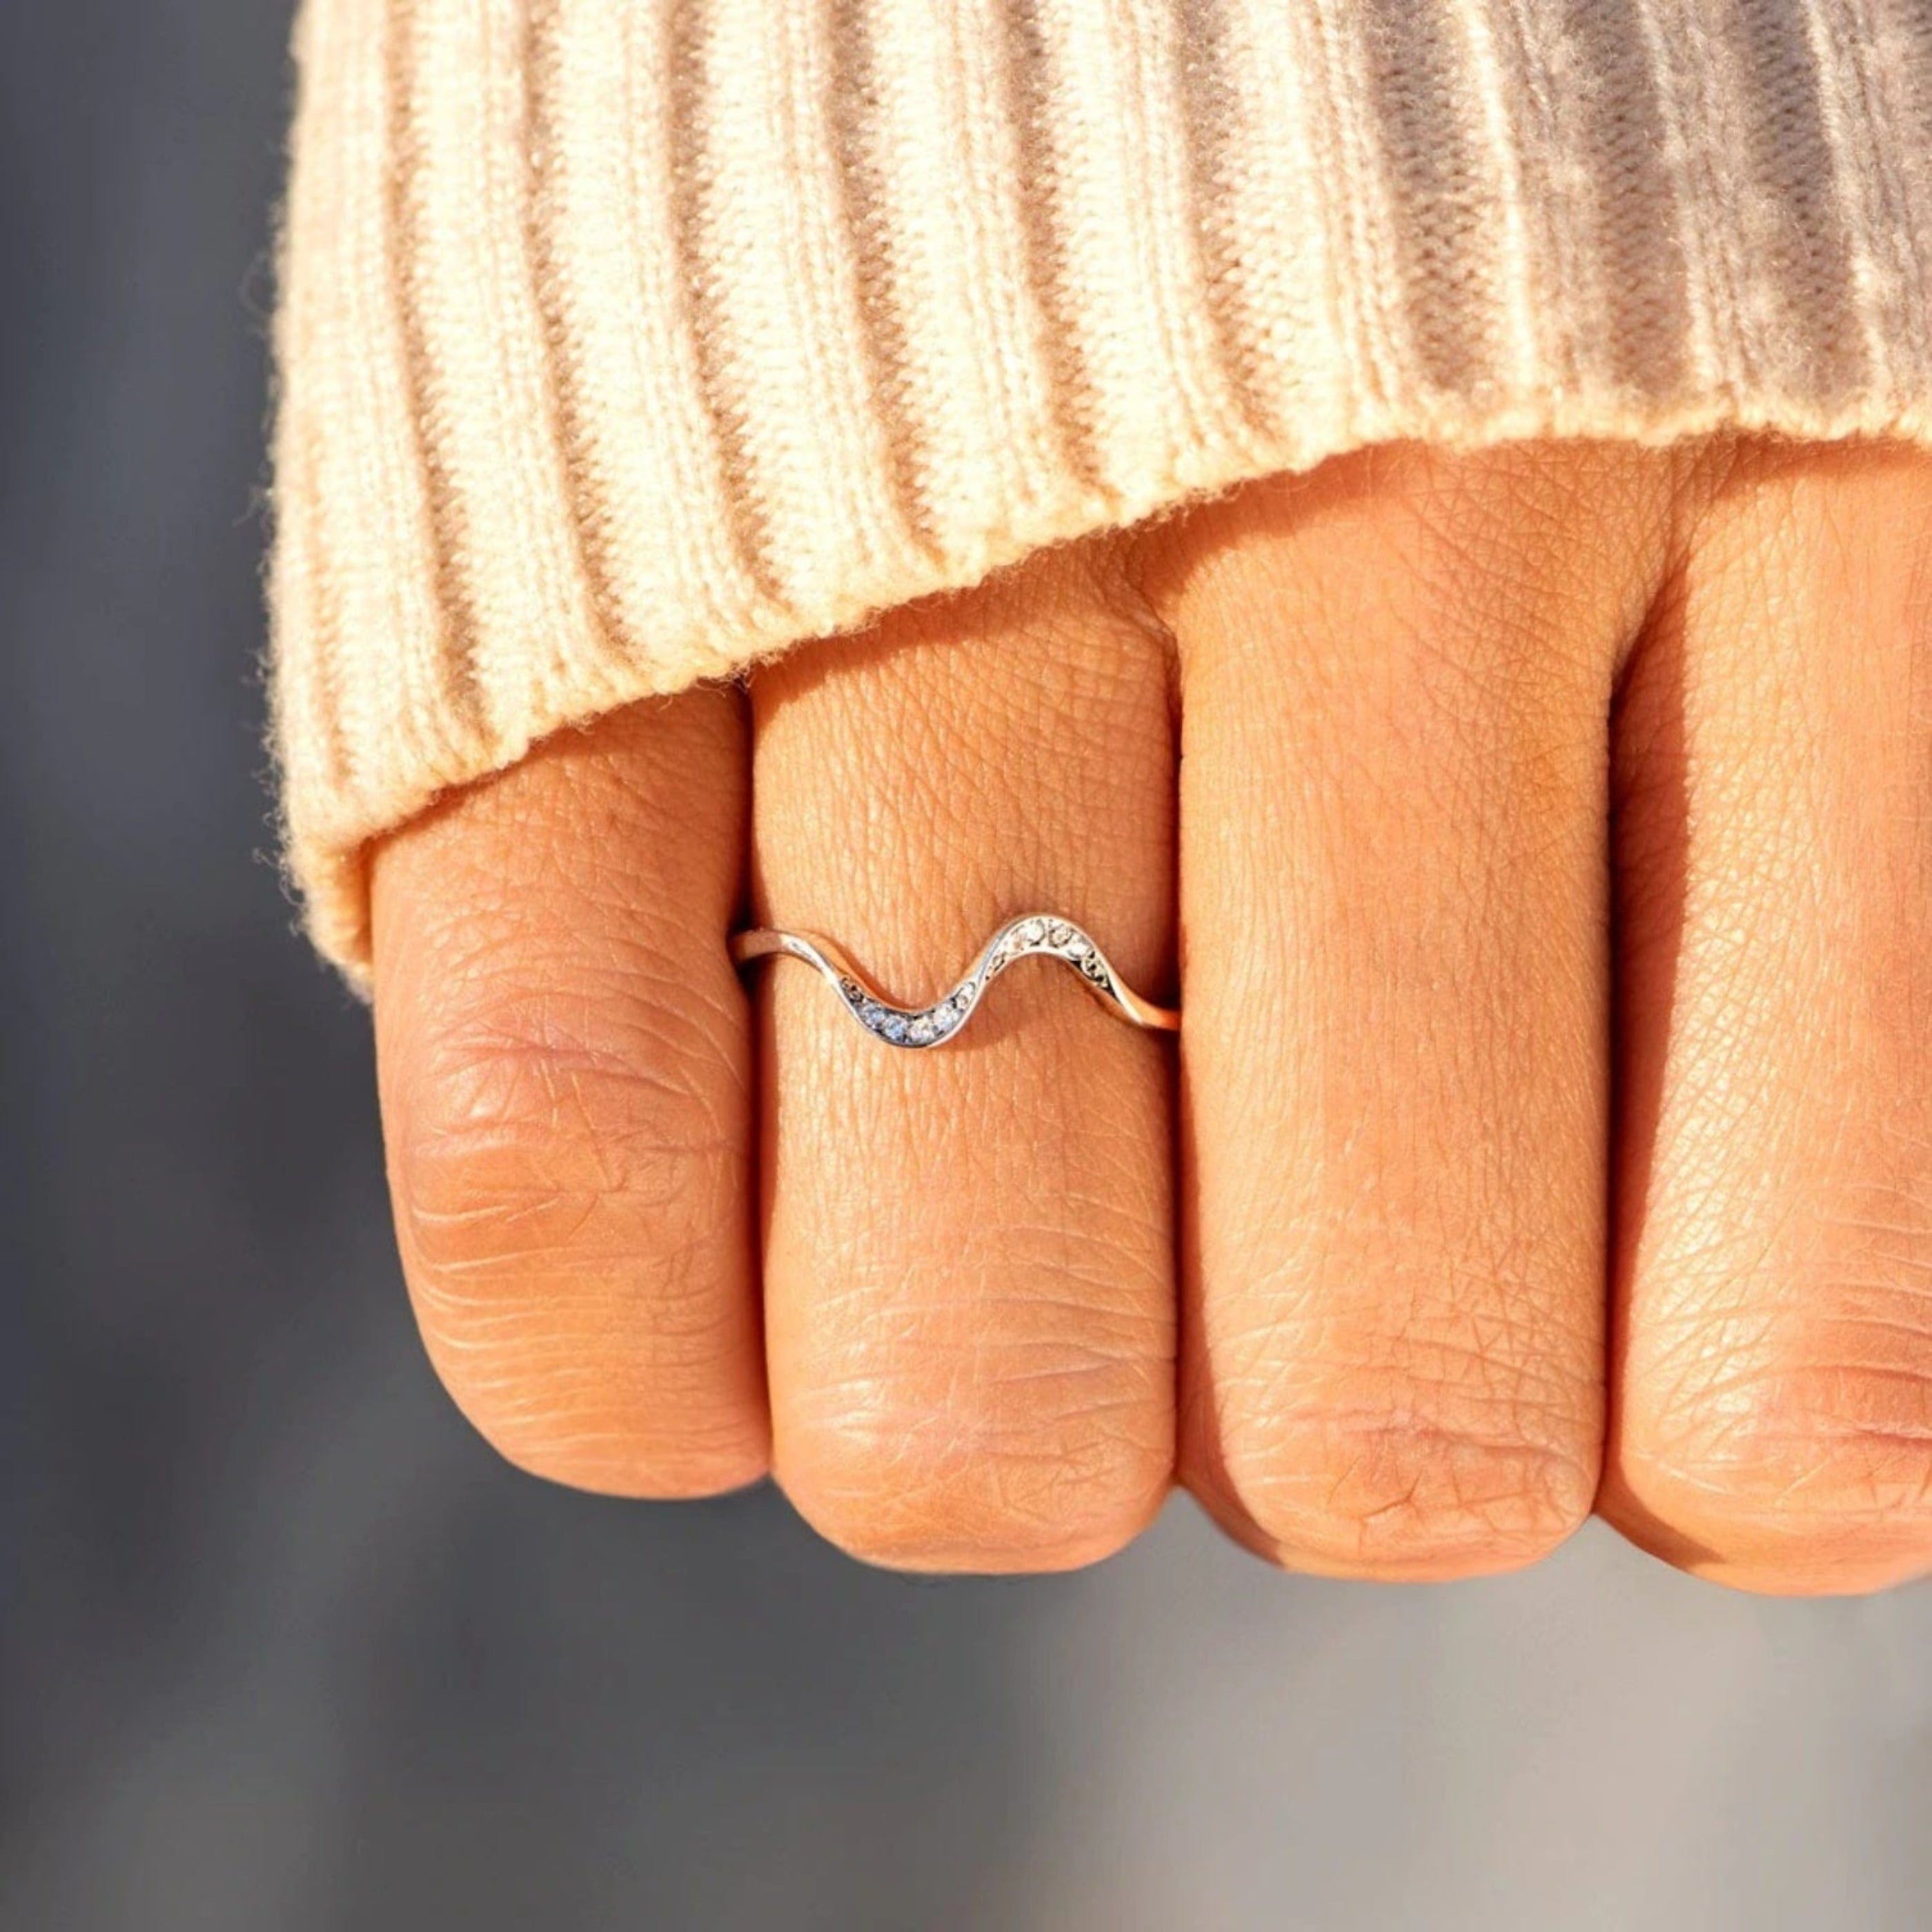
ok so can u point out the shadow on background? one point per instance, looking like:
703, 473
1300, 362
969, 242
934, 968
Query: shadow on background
282, 1646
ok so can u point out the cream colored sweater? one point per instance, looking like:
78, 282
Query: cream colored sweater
623, 341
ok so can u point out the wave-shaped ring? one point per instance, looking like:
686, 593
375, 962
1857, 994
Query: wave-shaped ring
918, 1027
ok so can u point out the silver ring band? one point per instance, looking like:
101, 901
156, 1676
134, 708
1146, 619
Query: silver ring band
920, 1026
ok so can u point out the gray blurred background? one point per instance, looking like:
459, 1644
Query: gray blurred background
282, 1646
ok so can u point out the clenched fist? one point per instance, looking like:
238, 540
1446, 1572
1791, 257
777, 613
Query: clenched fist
1539, 845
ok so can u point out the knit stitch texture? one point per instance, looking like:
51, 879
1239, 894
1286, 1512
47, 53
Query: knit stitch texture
622, 341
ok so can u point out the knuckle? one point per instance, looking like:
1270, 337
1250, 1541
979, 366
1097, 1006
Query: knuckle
517, 1153
1394, 1494
939, 1484
552, 1425
1803, 1477
568, 1207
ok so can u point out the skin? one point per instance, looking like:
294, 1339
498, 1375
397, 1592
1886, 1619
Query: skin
1540, 843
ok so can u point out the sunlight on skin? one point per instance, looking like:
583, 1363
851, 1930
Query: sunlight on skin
1522, 832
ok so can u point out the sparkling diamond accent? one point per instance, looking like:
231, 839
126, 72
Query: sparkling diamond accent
1034, 934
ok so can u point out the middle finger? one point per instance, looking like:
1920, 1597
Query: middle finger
1396, 678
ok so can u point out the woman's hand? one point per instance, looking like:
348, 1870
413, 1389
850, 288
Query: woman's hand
1541, 844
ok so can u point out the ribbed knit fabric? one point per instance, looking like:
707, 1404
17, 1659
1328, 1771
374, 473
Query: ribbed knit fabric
623, 341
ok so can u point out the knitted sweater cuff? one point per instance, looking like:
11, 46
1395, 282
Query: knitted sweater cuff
621, 341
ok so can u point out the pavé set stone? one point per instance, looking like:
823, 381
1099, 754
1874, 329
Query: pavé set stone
1033, 934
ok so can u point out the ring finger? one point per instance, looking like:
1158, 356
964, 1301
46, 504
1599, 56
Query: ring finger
968, 1270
